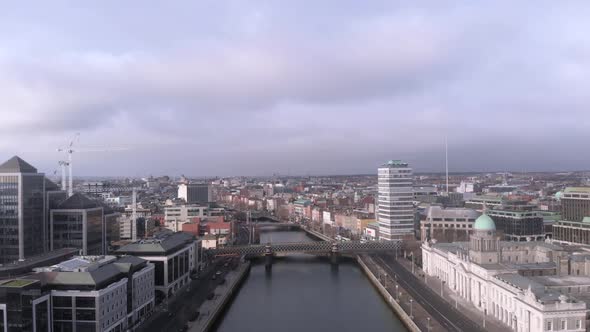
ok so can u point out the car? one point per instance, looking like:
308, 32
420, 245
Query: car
213, 277
218, 273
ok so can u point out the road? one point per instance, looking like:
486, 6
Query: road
187, 301
446, 315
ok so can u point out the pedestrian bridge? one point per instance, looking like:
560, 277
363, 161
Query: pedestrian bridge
315, 248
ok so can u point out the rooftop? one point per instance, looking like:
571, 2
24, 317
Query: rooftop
17, 165
161, 244
17, 283
78, 202
395, 163
585, 190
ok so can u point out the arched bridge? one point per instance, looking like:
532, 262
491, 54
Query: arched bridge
318, 247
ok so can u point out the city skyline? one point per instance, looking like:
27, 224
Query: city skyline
214, 89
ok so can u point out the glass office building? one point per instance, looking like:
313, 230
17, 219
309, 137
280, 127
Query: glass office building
22, 211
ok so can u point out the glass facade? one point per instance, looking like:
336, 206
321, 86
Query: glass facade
9, 218
33, 210
68, 230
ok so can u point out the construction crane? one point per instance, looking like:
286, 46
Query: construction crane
69, 151
63, 164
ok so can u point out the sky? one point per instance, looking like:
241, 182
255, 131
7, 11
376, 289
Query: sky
221, 88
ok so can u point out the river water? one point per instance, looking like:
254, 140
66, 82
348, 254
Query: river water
306, 293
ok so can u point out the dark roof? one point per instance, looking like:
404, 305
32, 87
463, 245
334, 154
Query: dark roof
78, 202
161, 245
50, 185
17, 165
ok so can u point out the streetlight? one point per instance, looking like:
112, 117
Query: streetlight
484, 313
411, 309
428, 323
442, 282
397, 291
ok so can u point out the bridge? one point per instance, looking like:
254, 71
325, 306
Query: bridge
333, 249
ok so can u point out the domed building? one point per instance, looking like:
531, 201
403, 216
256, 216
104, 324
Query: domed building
520, 284
483, 242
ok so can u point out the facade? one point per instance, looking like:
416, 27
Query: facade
174, 255
520, 284
483, 201
194, 193
575, 203
395, 206
447, 225
572, 232
175, 216
23, 218
78, 222
518, 222
98, 293
24, 306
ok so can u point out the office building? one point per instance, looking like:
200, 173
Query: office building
23, 222
575, 203
518, 221
447, 225
195, 193
24, 306
175, 216
572, 232
521, 284
78, 222
175, 256
98, 293
395, 206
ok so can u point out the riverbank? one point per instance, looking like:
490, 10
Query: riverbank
211, 310
399, 311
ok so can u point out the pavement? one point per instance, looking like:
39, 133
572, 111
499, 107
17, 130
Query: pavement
450, 319
461, 304
174, 315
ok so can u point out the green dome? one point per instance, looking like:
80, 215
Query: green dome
558, 195
484, 223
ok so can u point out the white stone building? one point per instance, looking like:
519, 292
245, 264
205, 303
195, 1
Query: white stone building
527, 286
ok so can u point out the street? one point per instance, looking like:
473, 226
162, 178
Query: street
446, 315
187, 301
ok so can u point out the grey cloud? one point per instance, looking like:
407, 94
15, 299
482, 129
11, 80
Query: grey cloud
301, 87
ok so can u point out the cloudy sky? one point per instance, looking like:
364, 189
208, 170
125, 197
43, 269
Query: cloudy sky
298, 87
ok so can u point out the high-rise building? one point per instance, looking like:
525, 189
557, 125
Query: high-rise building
575, 203
78, 222
195, 193
23, 231
396, 207
518, 221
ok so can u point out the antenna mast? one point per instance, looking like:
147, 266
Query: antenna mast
447, 162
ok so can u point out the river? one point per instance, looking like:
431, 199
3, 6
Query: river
306, 293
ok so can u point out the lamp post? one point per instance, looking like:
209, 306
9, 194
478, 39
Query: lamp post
411, 309
397, 292
442, 282
428, 323
484, 314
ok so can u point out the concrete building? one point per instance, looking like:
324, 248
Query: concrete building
447, 225
575, 203
425, 194
487, 201
175, 216
195, 193
23, 208
78, 222
518, 221
521, 284
572, 232
98, 293
174, 255
395, 207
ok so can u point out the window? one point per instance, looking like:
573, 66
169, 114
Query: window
563, 324
549, 326
578, 324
